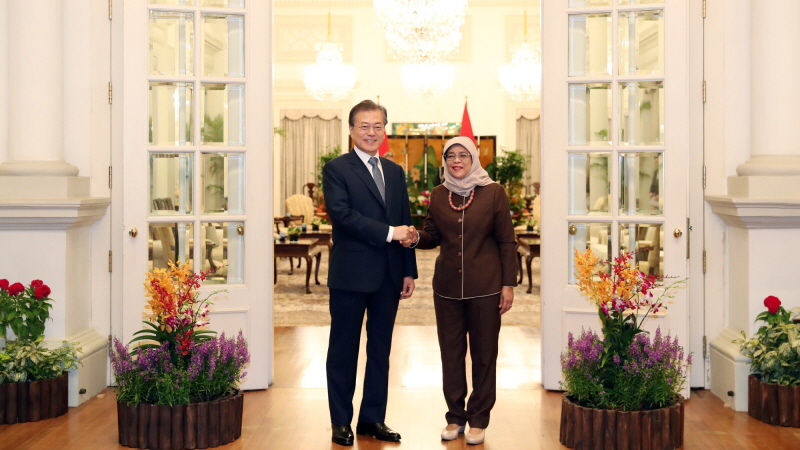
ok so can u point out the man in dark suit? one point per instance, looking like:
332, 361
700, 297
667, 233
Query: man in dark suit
367, 201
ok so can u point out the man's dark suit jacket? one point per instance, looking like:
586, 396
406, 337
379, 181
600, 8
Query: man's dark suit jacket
361, 221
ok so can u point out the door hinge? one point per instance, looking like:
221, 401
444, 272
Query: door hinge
704, 177
704, 9
109, 177
109, 341
110, 93
704, 91
704, 261
705, 348
109, 260
111, 8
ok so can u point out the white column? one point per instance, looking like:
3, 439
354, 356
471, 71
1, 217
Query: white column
775, 98
45, 207
36, 90
761, 211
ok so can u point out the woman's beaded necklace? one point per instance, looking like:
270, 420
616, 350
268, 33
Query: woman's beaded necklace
465, 205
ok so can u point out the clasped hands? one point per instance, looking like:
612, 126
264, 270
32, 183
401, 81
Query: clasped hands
407, 235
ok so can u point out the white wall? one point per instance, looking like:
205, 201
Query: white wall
727, 138
87, 138
3, 79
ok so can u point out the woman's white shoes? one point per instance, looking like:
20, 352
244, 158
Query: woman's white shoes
449, 435
476, 438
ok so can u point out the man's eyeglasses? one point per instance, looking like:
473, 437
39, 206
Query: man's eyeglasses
365, 128
461, 156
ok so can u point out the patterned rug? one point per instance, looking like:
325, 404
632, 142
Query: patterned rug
292, 307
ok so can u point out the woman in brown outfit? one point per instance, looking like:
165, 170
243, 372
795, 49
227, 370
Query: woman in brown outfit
473, 282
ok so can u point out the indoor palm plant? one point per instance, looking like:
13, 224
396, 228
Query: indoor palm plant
179, 371
626, 372
774, 352
33, 377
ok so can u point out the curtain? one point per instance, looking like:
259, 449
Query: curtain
528, 142
309, 134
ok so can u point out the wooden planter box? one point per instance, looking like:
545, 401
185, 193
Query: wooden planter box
197, 425
32, 401
773, 403
587, 428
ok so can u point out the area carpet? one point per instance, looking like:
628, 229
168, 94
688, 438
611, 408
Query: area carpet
293, 307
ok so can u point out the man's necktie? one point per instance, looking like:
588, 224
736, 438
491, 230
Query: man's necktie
376, 174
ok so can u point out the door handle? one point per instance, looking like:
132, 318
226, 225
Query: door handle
677, 232
133, 232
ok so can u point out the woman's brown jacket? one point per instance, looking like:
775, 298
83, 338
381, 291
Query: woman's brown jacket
478, 253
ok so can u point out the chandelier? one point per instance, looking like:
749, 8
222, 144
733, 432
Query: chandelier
329, 80
521, 80
421, 31
426, 80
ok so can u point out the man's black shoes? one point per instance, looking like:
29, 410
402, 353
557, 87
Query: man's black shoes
377, 430
342, 434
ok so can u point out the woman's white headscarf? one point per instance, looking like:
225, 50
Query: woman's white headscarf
476, 176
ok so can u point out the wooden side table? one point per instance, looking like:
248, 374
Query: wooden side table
322, 237
529, 246
302, 248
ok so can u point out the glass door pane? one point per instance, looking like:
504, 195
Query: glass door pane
223, 179
171, 183
223, 45
614, 115
590, 183
224, 3
222, 107
589, 44
641, 178
171, 43
646, 241
590, 114
214, 147
641, 50
641, 113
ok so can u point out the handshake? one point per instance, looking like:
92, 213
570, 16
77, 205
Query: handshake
407, 235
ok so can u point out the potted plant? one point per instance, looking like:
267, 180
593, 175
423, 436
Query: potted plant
530, 223
420, 203
774, 352
323, 159
33, 378
178, 388
509, 170
315, 223
294, 233
622, 390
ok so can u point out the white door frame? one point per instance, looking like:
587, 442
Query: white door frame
563, 308
247, 306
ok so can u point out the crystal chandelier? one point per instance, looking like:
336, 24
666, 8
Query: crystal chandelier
329, 80
521, 80
426, 80
421, 31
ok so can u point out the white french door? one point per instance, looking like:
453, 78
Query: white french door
197, 159
616, 152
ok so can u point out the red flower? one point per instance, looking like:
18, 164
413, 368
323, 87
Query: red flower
4, 284
41, 291
36, 283
772, 303
16, 289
